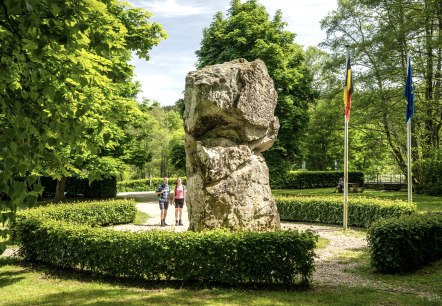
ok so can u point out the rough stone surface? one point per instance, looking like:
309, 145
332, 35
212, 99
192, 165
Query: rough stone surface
229, 120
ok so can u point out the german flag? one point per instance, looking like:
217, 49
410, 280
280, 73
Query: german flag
348, 90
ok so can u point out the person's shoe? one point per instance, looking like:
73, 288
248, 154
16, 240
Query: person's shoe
176, 222
180, 223
163, 223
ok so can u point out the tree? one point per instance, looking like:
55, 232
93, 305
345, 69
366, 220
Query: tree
324, 142
247, 32
163, 140
65, 81
380, 33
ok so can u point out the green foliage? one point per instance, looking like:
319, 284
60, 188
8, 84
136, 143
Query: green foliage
91, 213
248, 32
362, 212
313, 179
104, 188
62, 235
178, 156
166, 134
380, 33
431, 169
407, 243
146, 184
65, 82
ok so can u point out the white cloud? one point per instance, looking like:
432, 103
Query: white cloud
303, 17
172, 8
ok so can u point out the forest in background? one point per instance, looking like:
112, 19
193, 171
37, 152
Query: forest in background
69, 106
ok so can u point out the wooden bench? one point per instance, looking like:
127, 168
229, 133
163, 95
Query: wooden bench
355, 187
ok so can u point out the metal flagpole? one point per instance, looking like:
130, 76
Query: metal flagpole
345, 175
409, 181
346, 157
410, 185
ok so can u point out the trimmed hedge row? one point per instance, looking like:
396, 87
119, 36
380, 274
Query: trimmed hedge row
144, 184
313, 179
406, 243
280, 257
362, 212
104, 188
92, 213
290, 180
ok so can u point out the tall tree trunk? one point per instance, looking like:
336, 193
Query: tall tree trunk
59, 190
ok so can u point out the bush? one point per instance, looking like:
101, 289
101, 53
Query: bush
313, 179
104, 188
407, 243
431, 170
92, 213
145, 184
362, 211
60, 238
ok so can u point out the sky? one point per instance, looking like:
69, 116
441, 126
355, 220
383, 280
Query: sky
163, 76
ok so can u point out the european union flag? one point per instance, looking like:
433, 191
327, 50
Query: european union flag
409, 92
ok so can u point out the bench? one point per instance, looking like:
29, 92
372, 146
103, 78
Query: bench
355, 187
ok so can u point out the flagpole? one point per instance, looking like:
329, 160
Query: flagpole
345, 174
409, 180
409, 183
346, 161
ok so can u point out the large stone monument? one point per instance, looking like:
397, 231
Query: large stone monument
229, 120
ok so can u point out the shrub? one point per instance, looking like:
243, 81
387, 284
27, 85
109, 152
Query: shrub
145, 184
361, 211
104, 188
61, 238
313, 179
406, 243
431, 170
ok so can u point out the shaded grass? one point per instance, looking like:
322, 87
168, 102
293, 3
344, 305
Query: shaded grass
423, 202
427, 280
23, 284
322, 243
141, 217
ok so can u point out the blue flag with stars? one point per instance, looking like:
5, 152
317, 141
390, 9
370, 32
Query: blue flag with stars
409, 93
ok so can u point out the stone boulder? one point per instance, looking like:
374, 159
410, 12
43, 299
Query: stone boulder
229, 120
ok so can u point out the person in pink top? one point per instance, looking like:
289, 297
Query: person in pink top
179, 196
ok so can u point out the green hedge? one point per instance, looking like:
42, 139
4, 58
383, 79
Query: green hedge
407, 243
279, 257
92, 213
143, 184
104, 188
291, 180
361, 211
313, 179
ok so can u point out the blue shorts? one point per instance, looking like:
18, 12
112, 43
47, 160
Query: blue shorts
164, 205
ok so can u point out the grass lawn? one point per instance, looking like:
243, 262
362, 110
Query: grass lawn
423, 202
22, 284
